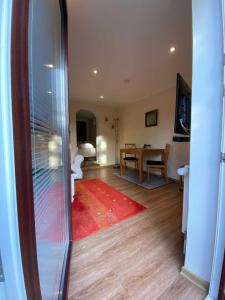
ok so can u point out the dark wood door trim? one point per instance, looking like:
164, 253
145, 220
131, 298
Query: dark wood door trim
66, 263
64, 25
22, 146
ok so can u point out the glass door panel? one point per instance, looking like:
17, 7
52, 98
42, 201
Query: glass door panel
48, 127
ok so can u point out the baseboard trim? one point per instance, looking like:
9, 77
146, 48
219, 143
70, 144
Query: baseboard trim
204, 285
209, 298
173, 179
145, 172
106, 166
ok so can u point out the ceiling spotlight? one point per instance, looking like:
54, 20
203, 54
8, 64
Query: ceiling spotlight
95, 72
126, 81
49, 66
101, 97
172, 49
49, 92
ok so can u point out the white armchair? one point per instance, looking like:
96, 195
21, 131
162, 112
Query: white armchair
76, 166
76, 173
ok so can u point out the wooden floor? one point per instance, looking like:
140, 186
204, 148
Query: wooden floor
139, 258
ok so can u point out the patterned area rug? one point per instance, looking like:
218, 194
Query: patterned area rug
154, 182
98, 205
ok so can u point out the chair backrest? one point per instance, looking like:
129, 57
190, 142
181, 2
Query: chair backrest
129, 146
166, 153
147, 146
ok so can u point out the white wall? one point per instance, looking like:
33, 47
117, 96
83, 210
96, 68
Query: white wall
105, 133
207, 93
132, 127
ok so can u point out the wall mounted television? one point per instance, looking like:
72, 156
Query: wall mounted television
183, 107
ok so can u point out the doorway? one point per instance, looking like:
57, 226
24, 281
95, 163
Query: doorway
86, 136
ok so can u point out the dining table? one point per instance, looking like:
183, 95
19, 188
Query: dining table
140, 153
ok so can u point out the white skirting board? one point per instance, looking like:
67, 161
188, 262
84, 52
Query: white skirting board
209, 298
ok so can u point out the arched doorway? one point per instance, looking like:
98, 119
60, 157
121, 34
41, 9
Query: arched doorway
86, 136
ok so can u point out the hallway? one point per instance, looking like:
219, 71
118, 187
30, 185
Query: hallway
138, 258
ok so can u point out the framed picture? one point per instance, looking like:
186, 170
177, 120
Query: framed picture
151, 118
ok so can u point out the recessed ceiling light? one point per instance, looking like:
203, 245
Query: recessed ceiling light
172, 49
101, 97
49, 65
126, 81
95, 72
49, 92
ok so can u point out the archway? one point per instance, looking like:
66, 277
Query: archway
86, 135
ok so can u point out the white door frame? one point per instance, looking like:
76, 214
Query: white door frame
13, 286
220, 223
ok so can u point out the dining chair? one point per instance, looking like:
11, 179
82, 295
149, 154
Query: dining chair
159, 164
129, 157
147, 146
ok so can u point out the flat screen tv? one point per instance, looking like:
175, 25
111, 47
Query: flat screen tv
183, 107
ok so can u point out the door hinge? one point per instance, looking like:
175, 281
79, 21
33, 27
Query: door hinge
2, 277
222, 157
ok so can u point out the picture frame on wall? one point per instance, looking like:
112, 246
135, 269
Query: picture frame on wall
151, 118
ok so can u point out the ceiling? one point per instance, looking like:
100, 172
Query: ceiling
127, 40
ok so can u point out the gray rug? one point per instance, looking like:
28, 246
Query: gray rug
154, 182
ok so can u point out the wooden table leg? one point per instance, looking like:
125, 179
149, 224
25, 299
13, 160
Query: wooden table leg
142, 159
140, 167
121, 163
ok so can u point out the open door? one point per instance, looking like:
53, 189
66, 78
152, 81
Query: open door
41, 142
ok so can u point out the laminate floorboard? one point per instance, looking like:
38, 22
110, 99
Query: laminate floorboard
139, 258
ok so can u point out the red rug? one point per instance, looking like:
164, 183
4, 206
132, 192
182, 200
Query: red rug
98, 205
